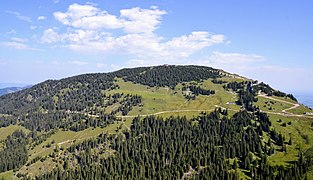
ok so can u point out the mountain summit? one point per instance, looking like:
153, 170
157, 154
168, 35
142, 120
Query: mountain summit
160, 122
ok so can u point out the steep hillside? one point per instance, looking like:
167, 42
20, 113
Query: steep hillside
167, 121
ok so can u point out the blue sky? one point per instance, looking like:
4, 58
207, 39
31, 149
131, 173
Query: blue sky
267, 40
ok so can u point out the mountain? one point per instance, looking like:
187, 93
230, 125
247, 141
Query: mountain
8, 90
160, 122
6, 85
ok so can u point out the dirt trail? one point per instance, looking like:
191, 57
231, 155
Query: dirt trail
60, 143
285, 111
164, 112
295, 105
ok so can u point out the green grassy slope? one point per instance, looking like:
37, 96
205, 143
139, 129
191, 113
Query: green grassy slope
6, 131
165, 102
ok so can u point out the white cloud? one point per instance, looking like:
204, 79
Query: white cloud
184, 46
235, 58
19, 39
239, 63
18, 45
137, 20
67, 63
41, 18
79, 63
50, 36
144, 62
101, 65
56, 63
19, 16
279, 77
145, 46
33, 27
90, 29
115, 67
259, 68
15, 45
56, 1
87, 17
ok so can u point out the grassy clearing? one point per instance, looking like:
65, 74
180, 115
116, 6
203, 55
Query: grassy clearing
7, 175
6, 131
285, 99
188, 115
164, 99
300, 110
39, 167
301, 135
310, 174
266, 104
66, 138
232, 79
156, 100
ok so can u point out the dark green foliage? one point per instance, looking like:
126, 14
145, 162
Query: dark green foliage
172, 75
292, 97
265, 88
14, 154
153, 148
175, 148
247, 97
235, 86
7, 120
265, 121
127, 103
246, 94
196, 90
65, 103
215, 81
277, 137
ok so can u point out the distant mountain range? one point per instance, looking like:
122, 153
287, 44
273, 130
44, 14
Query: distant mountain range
8, 90
7, 85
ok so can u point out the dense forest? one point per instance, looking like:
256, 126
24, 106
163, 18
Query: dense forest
14, 153
56, 103
172, 75
212, 145
265, 88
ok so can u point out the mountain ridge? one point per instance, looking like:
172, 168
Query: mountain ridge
8, 90
63, 124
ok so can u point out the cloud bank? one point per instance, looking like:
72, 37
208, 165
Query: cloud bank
90, 29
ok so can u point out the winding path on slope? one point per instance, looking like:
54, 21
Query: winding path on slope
285, 111
164, 112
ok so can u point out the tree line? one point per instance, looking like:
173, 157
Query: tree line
211, 146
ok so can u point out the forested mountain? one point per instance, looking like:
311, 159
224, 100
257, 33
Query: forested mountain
161, 122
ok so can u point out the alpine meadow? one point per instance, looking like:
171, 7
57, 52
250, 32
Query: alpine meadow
163, 122
158, 89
